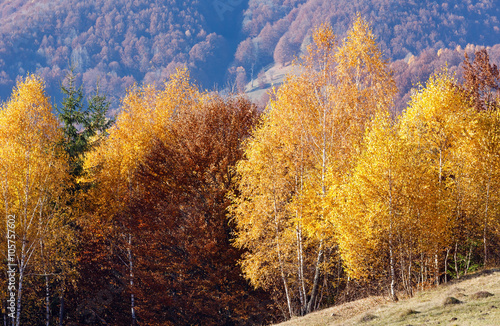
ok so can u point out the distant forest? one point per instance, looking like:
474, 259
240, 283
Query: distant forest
117, 44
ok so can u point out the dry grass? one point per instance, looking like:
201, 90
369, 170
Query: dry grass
478, 298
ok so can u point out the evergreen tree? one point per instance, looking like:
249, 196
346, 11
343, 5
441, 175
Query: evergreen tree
81, 123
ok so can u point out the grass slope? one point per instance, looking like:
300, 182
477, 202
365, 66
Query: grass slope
472, 300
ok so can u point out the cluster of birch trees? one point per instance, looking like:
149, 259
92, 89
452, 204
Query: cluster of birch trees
332, 179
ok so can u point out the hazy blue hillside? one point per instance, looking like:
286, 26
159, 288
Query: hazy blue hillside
278, 29
419, 36
119, 43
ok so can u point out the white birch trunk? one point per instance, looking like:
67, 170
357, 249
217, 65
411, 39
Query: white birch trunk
131, 275
47, 300
314, 291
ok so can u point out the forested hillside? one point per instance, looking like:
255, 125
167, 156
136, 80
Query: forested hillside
222, 42
412, 33
280, 29
115, 43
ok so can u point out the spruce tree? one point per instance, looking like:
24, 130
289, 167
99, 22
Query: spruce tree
81, 122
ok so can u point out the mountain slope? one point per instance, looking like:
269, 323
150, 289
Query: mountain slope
403, 27
119, 43
116, 43
418, 36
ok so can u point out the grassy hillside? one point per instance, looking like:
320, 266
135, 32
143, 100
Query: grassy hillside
472, 300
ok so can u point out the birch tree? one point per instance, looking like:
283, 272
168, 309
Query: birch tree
373, 223
299, 157
33, 171
482, 85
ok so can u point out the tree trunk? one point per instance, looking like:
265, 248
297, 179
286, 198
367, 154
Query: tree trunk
325, 284
457, 272
436, 267
446, 266
410, 289
19, 294
404, 281
421, 271
280, 260
300, 259
47, 300
468, 260
61, 309
287, 294
391, 254
393, 274
131, 271
486, 218
314, 292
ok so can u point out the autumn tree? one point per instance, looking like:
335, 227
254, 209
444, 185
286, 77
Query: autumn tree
185, 263
482, 84
482, 81
404, 198
84, 122
374, 227
298, 159
111, 168
33, 173
436, 121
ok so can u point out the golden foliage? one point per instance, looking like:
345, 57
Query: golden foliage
33, 174
145, 115
301, 155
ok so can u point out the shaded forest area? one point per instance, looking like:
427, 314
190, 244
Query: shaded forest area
196, 208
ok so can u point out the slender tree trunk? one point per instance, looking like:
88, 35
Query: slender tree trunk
393, 274
404, 281
409, 277
347, 288
19, 294
325, 284
131, 274
421, 271
314, 291
468, 260
47, 289
285, 285
280, 260
47, 300
436, 267
287, 294
426, 270
61, 308
410, 265
446, 266
300, 247
486, 218
300, 259
457, 272
391, 255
